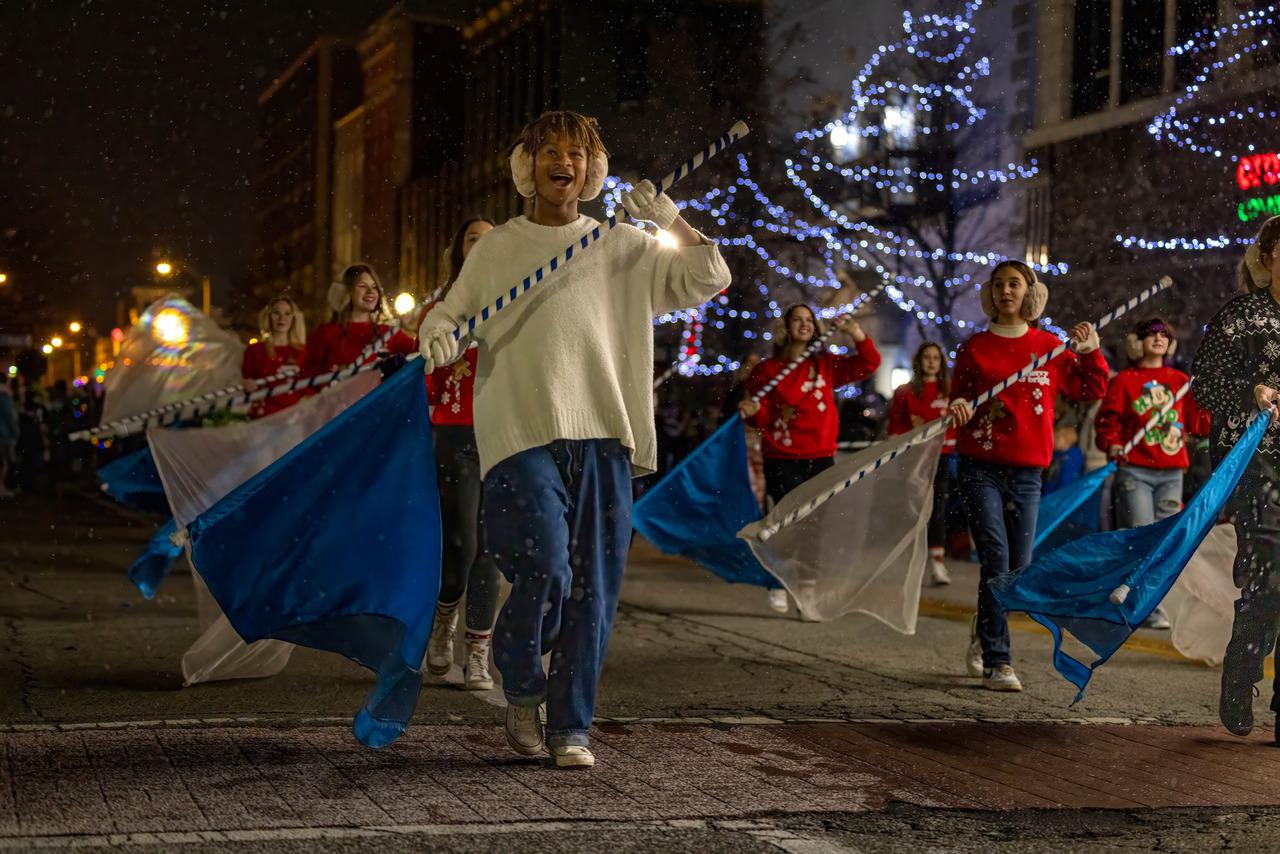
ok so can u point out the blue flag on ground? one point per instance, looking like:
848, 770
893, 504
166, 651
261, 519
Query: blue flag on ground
155, 563
134, 482
1069, 588
1060, 504
336, 546
697, 509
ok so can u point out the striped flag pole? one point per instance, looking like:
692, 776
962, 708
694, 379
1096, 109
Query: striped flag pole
468, 326
358, 366
221, 399
111, 427
940, 425
816, 345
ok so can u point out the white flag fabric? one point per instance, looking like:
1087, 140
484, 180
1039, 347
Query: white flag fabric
172, 353
198, 467
864, 550
1201, 603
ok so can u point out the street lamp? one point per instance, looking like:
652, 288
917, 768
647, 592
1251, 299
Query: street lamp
75, 326
166, 268
4, 277
404, 303
55, 341
47, 349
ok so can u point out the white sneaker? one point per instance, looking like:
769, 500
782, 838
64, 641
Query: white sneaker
778, 600
1001, 678
524, 730
938, 573
475, 670
573, 756
1158, 620
440, 644
973, 657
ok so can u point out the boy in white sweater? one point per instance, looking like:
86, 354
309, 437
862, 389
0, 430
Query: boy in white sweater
564, 414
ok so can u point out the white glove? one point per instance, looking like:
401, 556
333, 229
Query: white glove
646, 203
436, 342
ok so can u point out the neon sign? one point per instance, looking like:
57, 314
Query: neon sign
1251, 209
1254, 170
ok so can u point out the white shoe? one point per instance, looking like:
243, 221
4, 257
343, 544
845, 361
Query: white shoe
778, 600
440, 644
1001, 678
1158, 620
573, 756
524, 730
973, 657
475, 670
938, 573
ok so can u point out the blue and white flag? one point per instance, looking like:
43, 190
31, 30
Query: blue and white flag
153, 566
336, 546
697, 509
1069, 589
134, 482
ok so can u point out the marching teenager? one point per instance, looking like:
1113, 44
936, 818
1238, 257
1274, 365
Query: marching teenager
799, 419
564, 414
924, 399
280, 349
1006, 444
1237, 374
464, 567
1148, 482
360, 316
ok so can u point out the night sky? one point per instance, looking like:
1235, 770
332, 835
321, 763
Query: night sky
128, 129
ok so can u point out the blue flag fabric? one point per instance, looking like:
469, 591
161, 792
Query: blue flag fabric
134, 482
156, 561
1069, 588
1060, 504
697, 509
336, 546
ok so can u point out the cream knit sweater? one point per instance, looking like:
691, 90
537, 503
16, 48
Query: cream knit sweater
573, 357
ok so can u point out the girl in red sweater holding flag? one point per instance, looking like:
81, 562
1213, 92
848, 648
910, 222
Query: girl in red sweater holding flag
280, 351
1007, 443
798, 420
360, 317
1148, 485
923, 399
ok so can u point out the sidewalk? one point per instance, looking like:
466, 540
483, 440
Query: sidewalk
157, 780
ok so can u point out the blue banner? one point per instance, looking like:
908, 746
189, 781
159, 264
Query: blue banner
336, 546
1069, 588
697, 510
134, 482
1060, 504
155, 563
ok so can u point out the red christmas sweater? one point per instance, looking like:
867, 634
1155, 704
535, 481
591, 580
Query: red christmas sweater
335, 345
799, 419
258, 364
907, 406
1015, 428
1134, 396
449, 390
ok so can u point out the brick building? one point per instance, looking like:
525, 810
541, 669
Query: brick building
1104, 72
294, 182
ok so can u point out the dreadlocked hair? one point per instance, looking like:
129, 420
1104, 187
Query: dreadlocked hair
577, 128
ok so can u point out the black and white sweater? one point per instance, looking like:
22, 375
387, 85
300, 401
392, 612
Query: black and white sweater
1241, 349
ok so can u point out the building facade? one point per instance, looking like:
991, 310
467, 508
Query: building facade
1111, 183
294, 183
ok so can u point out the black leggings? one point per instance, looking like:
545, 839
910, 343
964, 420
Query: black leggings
782, 475
941, 496
464, 568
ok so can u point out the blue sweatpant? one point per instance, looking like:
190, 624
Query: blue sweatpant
557, 522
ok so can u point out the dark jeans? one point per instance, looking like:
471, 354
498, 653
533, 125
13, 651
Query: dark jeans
941, 496
1002, 503
1256, 510
464, 567
558, 524
781, 476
